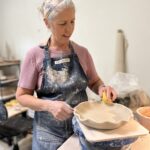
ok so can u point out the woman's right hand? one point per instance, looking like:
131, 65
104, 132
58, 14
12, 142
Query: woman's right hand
60, 110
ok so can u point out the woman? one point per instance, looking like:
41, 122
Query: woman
59, 72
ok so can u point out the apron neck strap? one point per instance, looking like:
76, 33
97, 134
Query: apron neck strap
47, 58
71, 48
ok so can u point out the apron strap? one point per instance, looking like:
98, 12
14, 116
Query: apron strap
47, 59
73, 52
72, 49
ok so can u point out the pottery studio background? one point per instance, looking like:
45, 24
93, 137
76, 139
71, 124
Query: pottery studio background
97, 22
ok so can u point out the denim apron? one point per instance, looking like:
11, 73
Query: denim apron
49, 133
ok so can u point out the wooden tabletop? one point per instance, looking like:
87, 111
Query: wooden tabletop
71, 144
143, 143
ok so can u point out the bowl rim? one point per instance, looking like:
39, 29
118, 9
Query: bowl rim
91, 121
139, 113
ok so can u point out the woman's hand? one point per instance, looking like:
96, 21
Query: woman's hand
110, 92
60, 110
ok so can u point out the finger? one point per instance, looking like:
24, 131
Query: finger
68, 113
108, 92
114, 95
69, 107
62, 116
67, 110
103, 89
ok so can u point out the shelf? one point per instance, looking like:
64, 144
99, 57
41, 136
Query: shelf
11, 63
8, 85
8, 97
3, 82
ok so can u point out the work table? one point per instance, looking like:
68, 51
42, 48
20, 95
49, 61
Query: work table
142, 143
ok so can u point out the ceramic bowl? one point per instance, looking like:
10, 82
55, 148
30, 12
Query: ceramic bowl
101, 116
143, 116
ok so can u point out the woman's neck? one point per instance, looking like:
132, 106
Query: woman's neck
55, 45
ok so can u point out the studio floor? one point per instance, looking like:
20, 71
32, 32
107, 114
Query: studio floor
24, 144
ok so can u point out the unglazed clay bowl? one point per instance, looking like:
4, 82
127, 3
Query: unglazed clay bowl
143, 116
98, 115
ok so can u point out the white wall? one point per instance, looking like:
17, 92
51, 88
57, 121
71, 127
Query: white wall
23, 27
97, 22
1, 29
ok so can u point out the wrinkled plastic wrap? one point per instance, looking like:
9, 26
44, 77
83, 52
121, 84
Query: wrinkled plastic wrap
124, 83
129, 91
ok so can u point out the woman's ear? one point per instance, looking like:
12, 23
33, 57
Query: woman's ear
47, 23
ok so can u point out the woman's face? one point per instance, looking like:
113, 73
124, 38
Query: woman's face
62, 26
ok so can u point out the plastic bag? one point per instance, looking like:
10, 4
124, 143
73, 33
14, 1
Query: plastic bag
124, 83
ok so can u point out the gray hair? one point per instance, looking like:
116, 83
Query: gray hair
51, 8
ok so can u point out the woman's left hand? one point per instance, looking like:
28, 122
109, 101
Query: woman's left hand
110, 92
